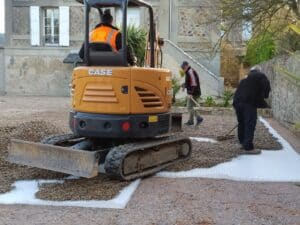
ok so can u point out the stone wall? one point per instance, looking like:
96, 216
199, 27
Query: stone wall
18, 34
192, 29
32, 70
37, 72
188, 24
285, 96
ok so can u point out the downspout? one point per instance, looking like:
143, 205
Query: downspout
170, 19
124, 33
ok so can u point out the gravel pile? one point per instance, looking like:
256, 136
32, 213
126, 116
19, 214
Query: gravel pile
29, 131
102, 188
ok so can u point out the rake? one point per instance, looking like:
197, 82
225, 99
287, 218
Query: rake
226, 136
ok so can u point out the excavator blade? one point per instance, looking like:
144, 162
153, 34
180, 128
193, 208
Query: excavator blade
60, 159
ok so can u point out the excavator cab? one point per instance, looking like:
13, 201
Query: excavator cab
101, 54
121, 115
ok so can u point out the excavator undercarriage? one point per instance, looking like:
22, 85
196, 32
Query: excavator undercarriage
124, 159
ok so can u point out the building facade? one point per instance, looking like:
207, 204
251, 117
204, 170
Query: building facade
41, 33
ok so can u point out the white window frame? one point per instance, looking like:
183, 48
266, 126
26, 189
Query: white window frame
64, 26
35, 25
52, 26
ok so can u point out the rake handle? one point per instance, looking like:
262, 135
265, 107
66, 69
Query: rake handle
195, 102
231, 130
226, 133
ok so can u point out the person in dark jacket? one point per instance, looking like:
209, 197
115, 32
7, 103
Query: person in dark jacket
250, 95
192, 85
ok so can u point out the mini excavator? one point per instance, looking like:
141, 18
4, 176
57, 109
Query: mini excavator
121, 118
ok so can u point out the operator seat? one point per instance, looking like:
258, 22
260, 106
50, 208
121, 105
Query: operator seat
100, 47
102, 54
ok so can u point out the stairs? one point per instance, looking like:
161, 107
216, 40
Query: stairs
211, 84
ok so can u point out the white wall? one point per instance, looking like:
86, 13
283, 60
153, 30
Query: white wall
2, 23
2, 75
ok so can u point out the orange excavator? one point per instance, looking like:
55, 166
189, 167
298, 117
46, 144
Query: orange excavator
121, 118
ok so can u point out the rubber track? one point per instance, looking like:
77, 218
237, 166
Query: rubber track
58, 139
116, 156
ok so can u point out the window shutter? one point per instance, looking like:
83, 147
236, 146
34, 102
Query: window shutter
64, 22
35, 25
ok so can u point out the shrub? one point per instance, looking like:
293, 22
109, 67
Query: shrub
181, 73
176, 87
137, 41
297, 126
260, 48
227, 97
209, 101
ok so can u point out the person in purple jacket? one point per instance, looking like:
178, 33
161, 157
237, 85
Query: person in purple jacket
192, 85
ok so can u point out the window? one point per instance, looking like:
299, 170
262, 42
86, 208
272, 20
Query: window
51, 26
133, 17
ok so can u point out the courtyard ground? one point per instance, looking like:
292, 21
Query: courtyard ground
157, 200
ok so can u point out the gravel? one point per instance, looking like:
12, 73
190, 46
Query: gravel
206, 155
81, 189
98, 188
102, 188
214, 126
157, 200
29, 131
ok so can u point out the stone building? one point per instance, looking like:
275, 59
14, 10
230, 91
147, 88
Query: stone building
41, 33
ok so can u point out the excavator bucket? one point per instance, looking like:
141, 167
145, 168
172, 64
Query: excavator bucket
60, 159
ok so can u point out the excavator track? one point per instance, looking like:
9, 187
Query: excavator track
141, 159
80, 156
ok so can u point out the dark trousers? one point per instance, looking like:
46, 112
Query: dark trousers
247, 117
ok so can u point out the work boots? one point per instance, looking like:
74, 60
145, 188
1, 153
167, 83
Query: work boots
189, 123
199, 120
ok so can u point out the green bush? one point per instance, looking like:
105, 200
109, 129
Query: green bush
260, 48
137, 41
176, 87
227, 97
297, 126
209, 102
